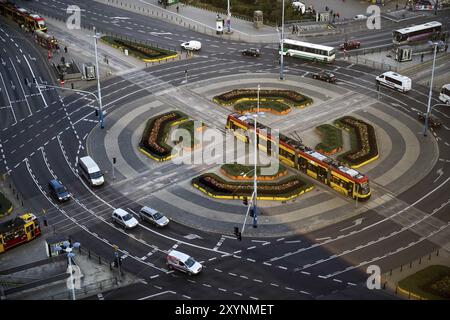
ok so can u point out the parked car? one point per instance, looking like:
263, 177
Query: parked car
349, 45
58, 191
192, 45
251, 52
325, 76
183, 262
432, 121
153, 216
124, 218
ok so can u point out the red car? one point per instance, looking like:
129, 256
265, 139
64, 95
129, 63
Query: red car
349, 45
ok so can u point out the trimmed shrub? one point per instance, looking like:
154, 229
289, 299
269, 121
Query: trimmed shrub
331, 139
214, 184
139, 50
235, 169
363, 141
155, 134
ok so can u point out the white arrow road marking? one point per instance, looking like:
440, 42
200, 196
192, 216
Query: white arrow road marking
355, 223
440, 172
262, 241
192, 236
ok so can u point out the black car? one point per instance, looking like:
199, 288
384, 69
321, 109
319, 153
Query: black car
325, 76
58, 191
251, 52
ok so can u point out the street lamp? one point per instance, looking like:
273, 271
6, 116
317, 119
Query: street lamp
435, 45
255, 175
282, 44
68, 248
228, 17
96, 35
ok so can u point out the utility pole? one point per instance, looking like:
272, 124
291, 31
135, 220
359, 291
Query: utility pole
98, 82
228, 17
282, 45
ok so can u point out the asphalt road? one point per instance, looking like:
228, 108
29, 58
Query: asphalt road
43, 135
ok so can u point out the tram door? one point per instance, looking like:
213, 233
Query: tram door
350, 186
321, 174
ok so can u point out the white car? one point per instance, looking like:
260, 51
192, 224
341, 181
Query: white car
360, 17
124, 218
192, 45
153, 216
183, 262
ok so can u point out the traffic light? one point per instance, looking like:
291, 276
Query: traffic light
96, 112
114, 160
245, 201
237, 233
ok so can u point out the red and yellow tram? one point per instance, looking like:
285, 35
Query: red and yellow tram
18, 230
329, 171
23, 17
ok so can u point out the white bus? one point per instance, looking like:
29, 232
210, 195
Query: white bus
416, 33
444, 96
395, 81
309, 51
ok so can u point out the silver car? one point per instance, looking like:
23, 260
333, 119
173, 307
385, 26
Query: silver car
153, 216
124, 219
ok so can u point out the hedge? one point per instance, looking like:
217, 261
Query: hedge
289, 97
250, 106
153, 139
139, 50
5, 205
235, 170
286, 188
331, 139
363, 142
432, 282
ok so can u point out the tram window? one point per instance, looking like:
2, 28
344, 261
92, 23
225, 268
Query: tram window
312, 167
302, 163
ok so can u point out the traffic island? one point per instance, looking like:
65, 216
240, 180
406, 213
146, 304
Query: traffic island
271, 100
154, 142
431, 283
237, 171
331, 139
142, 51
6, 206
363, 142
282, 190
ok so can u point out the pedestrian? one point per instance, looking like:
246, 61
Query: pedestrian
396, 7
421, 57
326, 8
65, 49
446, 47
337, 15
178, 9
293, 29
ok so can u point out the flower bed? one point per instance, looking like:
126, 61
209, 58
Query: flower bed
363, 141
141, 51
5, 205
234, 171
273, 106
287, 97
189, 126
331, 139
153, 141
216, 187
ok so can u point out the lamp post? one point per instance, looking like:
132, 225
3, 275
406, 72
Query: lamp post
282, 44
98, 80
68, 249
435, 45
228, 17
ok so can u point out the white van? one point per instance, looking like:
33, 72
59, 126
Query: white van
90, 171
395, 81
183, 262
297, 5
192, 45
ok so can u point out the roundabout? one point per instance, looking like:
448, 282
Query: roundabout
400, 153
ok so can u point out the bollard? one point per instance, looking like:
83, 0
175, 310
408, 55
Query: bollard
420, 260
89, 254
401, 268
429, 257
437, 253
390, 273
99, 260
410, 265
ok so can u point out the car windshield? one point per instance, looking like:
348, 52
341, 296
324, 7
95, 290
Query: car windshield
61, 190
96, 175
127, 217
189, 262
157, 215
